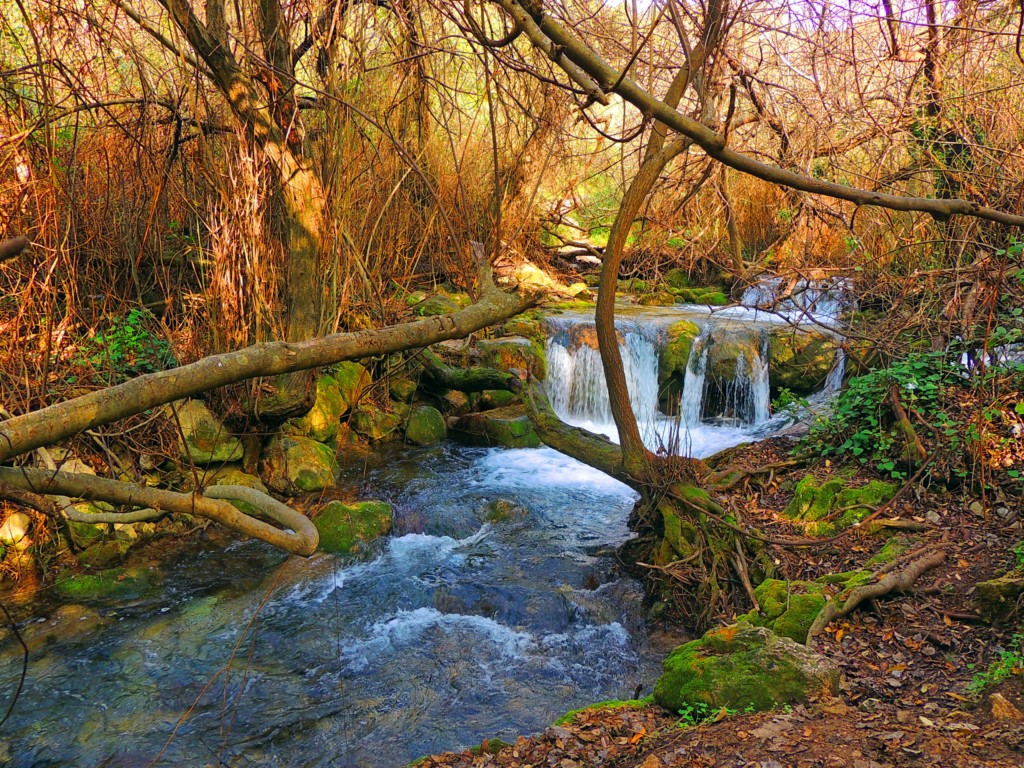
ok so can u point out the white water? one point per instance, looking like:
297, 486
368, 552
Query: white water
803, 300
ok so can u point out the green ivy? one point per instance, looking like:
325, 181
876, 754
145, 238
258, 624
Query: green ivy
130, 347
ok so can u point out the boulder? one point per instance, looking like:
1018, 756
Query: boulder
233, 474
104, 554
1000, 599
293, 464
426, 426
120, 583
497, 398
744, 668
788, 608
673, 359
321, 421
502, 511
402, 389
373, 423
206, 439
438, 304
800, 360
14, 531
353, 380
513, 353
508, 426
346, 528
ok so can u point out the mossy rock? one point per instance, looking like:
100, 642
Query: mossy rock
733, 353
84, 534
529, 324
374, 423
706, 296
104, 554
893, 549
788, 608
347, 528
321, 421
677, 278
414, 298
497, 398
658, 299
502, 511
1000, 599
291, 464
353, 380
206, 439
438, 304
672, 362
509, 427
743, 667
403, 390
633, 285
119, 583
514, 354
800, 360
426, 426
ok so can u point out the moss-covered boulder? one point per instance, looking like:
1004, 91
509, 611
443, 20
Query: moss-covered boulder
402, 390
346, 528
119, 583
206, 439
104, 554
678, 278
800, 360
509, 427
514, 354
374, 423
502, 511
497, 398
292, 464
658, 298
438, 304
743, 667
714, 297
813, 504
353, 380
1000, 599
233, 474
321, 421
672, 362
426, 426
84, 534
731, 353
788, 608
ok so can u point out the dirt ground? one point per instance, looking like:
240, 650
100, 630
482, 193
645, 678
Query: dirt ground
908, 661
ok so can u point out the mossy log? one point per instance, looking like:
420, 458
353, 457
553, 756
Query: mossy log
443, 376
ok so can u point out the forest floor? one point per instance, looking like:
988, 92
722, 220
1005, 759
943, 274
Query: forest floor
916, 688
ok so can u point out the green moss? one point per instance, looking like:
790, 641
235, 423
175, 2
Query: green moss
892, 550
104, 554
373, 423
744, 668
677, 278
292, 463
494, 746
707, 296
569, 716
321, 421
437, 304
346, 528
812, 503
353, 380
508, 354
672, 362
120, 583
800, 360
502, 511
509, 427
426, 426
788, 608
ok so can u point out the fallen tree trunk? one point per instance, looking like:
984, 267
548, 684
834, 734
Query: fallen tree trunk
60, 421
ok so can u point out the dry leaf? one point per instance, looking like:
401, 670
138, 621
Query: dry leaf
1002, 709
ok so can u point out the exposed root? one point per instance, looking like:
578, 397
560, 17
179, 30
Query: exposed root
900, 580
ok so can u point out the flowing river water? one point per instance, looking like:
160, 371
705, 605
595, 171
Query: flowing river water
452, 630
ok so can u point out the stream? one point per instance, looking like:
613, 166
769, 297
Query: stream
453, 630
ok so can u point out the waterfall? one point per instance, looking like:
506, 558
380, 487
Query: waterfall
817, 299
692, 400
576, 385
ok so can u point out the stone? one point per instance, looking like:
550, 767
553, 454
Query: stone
426, 426
293, 464
513, 353
347, 528
14, 531
800, 360
677, 278
705, 296
414, 298
353, 380
373, 423
745, 668
403, 390
531, 275
104, 554
788, 608
509, 427
206, 439
321, 421
455, 403
84, 534
672, 362
1000, 599
502, 511
497, 398
438, 304
120, 583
